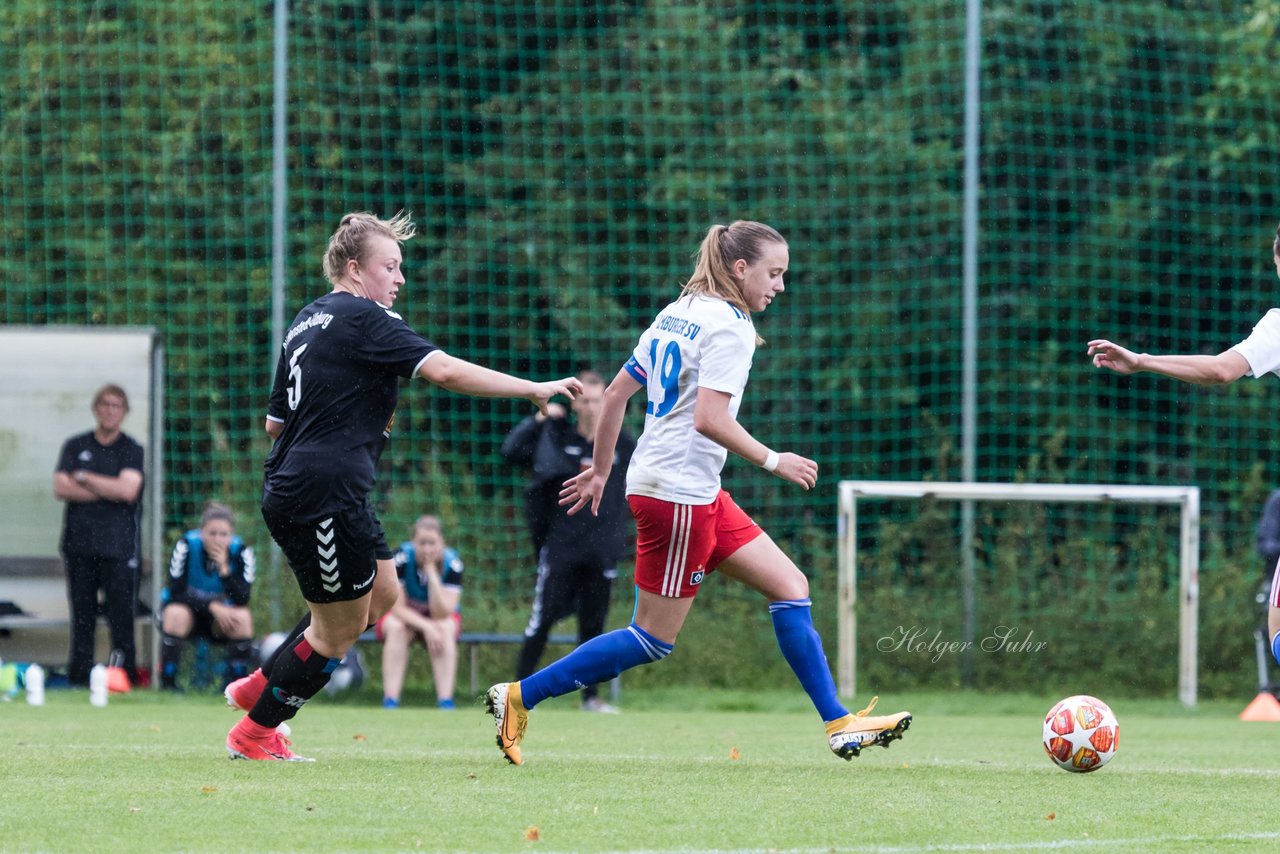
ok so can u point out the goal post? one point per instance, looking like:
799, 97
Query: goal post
1186, 497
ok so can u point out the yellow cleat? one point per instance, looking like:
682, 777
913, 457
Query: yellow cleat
849, 734
510, 716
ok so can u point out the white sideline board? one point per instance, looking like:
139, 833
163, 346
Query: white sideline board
1186, 497
48, 377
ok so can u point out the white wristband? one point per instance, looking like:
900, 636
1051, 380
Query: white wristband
770, 461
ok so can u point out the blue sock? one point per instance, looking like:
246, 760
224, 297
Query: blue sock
1275, 646
802, 648
598, 660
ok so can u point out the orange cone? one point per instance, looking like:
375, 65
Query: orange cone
118, 681
1263, 707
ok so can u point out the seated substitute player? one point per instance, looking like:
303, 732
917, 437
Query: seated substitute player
210, 575
427, 610
1255, 356
330, 413
693, 362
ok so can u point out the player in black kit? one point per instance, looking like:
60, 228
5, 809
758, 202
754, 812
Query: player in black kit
330, 414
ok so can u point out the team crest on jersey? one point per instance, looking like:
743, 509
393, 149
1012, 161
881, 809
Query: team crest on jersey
696, 578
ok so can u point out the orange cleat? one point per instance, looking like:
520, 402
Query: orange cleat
247, 740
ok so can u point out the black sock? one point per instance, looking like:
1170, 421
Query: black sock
286, 644
170, 656
297, 676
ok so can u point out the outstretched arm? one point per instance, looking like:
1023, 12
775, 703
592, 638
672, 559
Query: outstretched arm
587, 488
1221, 369
468, 378
711, 418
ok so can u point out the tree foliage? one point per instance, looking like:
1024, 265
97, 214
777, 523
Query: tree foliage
564, 160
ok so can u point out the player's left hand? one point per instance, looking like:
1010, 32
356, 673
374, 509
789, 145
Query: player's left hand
433, 635
223, 618
583, 490
797, 469
542, 393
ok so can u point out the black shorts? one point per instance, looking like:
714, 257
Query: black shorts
334, 557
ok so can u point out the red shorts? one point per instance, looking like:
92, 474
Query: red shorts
678, 544
381, 633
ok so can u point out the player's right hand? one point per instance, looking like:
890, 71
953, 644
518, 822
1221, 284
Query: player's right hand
542, 393
216, 550
1108, 355
797, 469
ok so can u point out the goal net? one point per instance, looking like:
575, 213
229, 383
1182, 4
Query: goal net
1073, 588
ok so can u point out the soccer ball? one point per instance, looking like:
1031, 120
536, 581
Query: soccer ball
270, 644
1081, 733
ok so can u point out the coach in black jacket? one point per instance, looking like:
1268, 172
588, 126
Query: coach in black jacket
577, 555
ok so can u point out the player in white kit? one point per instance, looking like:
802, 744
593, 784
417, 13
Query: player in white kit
1255, 356
693, 362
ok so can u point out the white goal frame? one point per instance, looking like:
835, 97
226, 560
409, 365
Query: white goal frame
1188, 497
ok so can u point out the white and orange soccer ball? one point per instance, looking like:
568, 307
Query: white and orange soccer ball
1081, 733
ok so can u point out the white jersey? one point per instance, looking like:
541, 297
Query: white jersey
1262, 348
696, 342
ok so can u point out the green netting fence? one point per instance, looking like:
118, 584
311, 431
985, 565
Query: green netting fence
563, 160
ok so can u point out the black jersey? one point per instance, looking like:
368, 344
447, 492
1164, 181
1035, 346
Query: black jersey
335, 392
105, 528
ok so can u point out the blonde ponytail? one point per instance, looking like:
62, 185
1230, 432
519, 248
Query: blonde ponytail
720, 248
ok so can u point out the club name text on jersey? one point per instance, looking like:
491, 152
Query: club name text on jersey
321, 319
678, 325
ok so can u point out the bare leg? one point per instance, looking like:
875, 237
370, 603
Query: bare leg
395, 656
444, 664
661, 616
763, 567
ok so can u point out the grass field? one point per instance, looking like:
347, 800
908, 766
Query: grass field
677, 771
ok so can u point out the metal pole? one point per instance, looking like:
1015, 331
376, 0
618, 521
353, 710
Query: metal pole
1189, 595
279, 200
969, 375
847, 595
156, 488
279, 175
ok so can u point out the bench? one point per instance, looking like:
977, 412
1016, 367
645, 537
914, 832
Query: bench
37, 587
19, 621
474, 640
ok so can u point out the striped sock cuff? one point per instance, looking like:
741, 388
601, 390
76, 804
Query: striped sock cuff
654, 648
784, 604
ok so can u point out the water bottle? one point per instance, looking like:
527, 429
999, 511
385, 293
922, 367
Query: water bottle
35, 685
98, 685
8, 680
